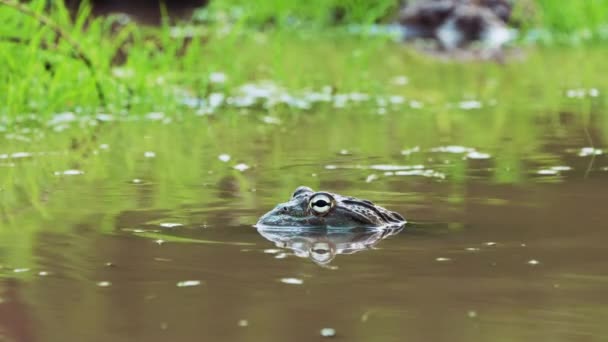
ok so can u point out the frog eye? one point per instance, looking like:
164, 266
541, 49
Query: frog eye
321, 204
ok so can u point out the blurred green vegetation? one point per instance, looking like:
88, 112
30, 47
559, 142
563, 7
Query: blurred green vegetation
142, 69
571, 22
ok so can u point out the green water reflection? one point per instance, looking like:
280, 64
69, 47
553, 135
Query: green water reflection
506, 200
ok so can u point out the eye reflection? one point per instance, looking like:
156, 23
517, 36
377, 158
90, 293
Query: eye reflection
322, 245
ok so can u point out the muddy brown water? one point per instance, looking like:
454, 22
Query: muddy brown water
501, 245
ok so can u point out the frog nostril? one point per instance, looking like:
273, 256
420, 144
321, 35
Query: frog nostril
284, 209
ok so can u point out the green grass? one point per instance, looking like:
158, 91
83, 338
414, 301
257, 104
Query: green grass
583, 19
141, 69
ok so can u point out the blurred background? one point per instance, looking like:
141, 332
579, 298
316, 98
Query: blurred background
140, 142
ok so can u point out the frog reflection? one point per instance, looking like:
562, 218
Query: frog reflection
321, 245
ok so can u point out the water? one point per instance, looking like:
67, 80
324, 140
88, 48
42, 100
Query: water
145, 233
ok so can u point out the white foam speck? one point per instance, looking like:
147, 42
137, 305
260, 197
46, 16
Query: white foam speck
328, 332
69, 173
170, 224
478, 155
547, 172
470, 104
292, 281
589, 151
272, 251
188, 283
241, 167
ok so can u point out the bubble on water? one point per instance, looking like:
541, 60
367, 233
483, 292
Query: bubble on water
561, 168
575, 93
224, 157
358, 97
580, 93
443, 259
159, 242
216, 100
292, 281
62, 118
589, 151
424, 173
490, 243
271, 120
533, 262
396, 99
472, 249
389, 167
416, 104
453, 149
104, 283
241, 167
331, 167
170, 224
243, 323
188, 283
217, 77
409, 151
149, 154
155, 116
104, 147
281, 256
43, 273
19, 155
328, 332
136, 181
69, 173
21, 270
344, 152
272, 251
340, 101
478, 155
472, 314
162, 259
547, 172
470, 104
371, 178
104, 117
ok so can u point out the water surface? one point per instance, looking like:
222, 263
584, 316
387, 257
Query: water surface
145, 232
